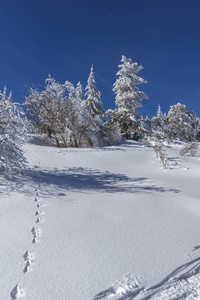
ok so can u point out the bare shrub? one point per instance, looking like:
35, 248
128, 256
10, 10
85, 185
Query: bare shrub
161, 156
189, 149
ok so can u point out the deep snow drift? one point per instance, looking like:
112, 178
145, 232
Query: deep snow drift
99, 224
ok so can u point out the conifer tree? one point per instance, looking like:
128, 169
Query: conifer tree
93, 104
80, 92
181, 123
128, 98
159, 129
93, 107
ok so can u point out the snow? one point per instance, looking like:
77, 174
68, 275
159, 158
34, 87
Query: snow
101, 224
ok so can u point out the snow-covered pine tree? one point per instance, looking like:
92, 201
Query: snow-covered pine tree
181, 123
159, 129
159, 113
94, 110
93, 104
12, 134
128, 98
80, 92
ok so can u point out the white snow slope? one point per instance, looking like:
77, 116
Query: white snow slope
101, 224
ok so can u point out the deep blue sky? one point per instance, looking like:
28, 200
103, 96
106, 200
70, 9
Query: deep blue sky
64, 37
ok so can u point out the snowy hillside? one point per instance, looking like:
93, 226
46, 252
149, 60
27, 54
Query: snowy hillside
101, 224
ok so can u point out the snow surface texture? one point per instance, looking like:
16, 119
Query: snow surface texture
101, 224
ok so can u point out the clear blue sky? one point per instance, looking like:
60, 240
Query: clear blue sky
64, 37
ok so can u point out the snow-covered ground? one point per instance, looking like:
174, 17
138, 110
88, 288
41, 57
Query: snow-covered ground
101, 224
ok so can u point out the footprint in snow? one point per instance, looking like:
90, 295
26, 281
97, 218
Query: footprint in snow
27, 267
28, 258
35, 232
17, 292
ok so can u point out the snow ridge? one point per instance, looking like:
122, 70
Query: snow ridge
182, 283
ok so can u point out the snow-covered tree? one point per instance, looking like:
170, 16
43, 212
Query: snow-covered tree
77, 123
181, 123
159, 113
93, 104
80, 92
159, 129
197, 128
12, 134
93, 107
33, 106
59, 112
45, 108
128, 95
52, 113
128, 98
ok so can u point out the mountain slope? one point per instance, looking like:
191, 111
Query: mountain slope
106, 223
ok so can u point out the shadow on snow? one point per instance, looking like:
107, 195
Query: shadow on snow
82, 180
86, 180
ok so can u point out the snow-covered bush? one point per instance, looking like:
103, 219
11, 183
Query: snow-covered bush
111, 134
12, 134
161, 156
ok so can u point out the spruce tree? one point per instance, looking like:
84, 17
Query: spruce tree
181, 123
128, 98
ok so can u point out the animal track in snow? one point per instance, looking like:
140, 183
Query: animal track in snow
38, 220
37, 212
17, 292
27, 267
28, 258
35, 232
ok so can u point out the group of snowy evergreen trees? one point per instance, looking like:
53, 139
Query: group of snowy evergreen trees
71, 117
76, 119
180, 124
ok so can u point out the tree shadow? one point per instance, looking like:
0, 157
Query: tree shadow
82, 180
87, 180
